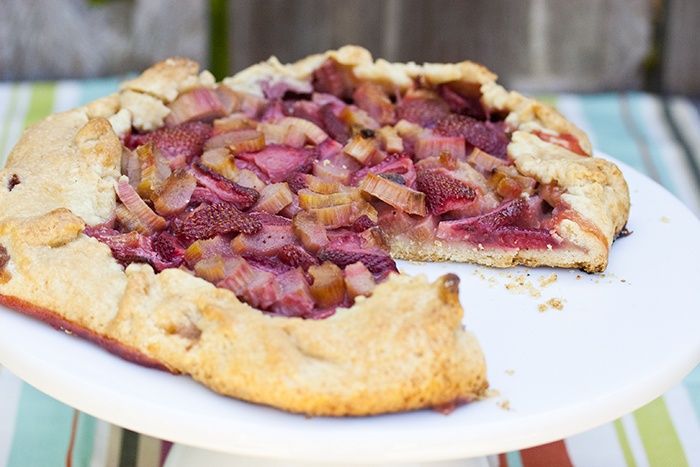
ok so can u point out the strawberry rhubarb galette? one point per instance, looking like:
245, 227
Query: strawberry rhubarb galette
245, 232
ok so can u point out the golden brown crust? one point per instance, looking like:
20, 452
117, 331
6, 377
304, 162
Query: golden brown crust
401, 349
366, 360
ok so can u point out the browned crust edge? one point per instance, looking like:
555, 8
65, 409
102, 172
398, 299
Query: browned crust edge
62, 324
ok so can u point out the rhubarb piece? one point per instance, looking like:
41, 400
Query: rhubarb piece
484, 162
201, 104
219, 160
358, 280
267, 241
237, 141
274, 198
154, 169
311, 200
442, 192
217, 219
174, 194
229, 99
257, 288
391, 141
328, 286
295, 298
312, 131
206, 248
310, 231
211, 269
317, 185
394, 194
234, 122
436, 145
509, 183
148, 221
364, 150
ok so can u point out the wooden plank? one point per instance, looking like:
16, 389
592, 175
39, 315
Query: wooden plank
681, 52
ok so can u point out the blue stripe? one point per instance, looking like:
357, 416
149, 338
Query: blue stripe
604, 117
95, 88
636, 101
514, 459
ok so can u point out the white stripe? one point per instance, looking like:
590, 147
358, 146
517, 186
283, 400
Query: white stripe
688, 120
67, 96
15, 125
105, 445
683, 184
635, 441
10, 393
599, 446
682, 413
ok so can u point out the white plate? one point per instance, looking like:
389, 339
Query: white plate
621, 339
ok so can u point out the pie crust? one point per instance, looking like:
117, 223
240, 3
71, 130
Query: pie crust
402, 348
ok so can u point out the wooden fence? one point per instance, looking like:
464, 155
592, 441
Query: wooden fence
533, 45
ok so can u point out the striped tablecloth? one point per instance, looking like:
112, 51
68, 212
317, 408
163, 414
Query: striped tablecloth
659, 137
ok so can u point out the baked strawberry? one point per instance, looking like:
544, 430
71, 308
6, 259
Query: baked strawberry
223, 188
442, 192
422, 107
375, 259
487, 136
210, 220
181, 141
296, 257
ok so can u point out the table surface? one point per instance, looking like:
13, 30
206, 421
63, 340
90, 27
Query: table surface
658, 136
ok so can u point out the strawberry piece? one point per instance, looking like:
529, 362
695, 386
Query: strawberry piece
184, 140
375, 259
296, 257
487, 136
442, 192
335, 128
395, 164
422, 107
471, 106
169, 250
277, 162
329, 78
372, 99
243, 197
210, 220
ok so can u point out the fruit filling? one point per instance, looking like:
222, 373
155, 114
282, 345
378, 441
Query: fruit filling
290, 200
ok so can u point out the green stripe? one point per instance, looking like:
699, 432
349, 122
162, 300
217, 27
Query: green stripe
692, 384
41, 102
624, 444
43, 431
658, 435
11, 111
